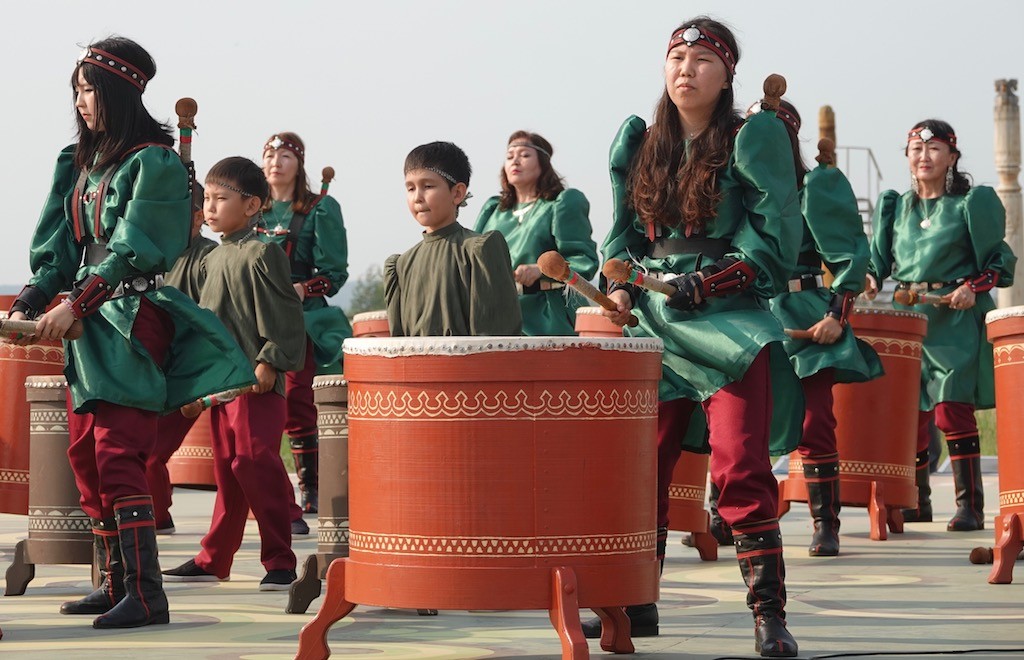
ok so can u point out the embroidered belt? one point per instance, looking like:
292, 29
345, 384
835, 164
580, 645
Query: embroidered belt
930, 286
538, 286
805, 283
136, 285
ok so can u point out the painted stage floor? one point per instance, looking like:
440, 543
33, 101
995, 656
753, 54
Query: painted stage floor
912, 596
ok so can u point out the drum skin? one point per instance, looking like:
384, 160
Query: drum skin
371, 324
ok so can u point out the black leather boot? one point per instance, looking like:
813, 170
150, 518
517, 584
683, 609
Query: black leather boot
643, 619
144, 602
107, 549
821, 473
759, 552
717, 527
923, 512
306, 452
965, 459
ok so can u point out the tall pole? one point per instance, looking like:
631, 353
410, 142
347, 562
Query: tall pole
1007, 157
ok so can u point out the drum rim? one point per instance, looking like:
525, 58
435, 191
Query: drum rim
590, 310
889, 311
329, 380
456, 346
375, 315
1004, 313
45, 382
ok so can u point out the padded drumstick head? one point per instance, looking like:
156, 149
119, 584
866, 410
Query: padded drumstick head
617, 270
554, 265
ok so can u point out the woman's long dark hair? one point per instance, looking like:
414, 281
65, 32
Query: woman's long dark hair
302, 195
961, 180
794, 140
549, 183
666, 186
126, 122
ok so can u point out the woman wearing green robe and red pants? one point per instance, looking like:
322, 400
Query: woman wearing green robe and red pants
708, 202
945, 238
115, 220
536, 213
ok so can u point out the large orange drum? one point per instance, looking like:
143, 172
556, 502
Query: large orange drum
371, 324
500, 473
16, 364
876, 424
192, 465
1006, 332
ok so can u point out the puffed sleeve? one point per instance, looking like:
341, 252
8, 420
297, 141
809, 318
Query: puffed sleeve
770, 238
830, 207
330, 243
54, 256
490, 206
881, 236
278, 311
392, 295
572, 232
157, 219
626, 235
493, 299
986, 224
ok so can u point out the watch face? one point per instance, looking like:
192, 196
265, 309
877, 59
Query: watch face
140, 284
691, 34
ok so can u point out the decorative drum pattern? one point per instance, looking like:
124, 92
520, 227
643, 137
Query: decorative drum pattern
192, 464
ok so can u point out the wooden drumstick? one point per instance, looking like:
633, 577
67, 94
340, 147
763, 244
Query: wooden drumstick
799, 334
327, 175
555, 266
192, 410
186, 109
983, 555
826, 152
617, 270
18, 329
774, 87
911, 297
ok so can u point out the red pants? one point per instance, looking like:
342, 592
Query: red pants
955, 420
250, 475
819, 438
739, 418
301, 421
171, 431
109, 446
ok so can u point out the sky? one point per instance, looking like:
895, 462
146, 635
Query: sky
363, 83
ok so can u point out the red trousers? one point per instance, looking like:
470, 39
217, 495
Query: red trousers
819, 438
250, 475
171, 431
955, 420
109, 446
739, 418
301, 422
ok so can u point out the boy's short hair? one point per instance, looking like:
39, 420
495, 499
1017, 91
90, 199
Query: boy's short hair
241, 175
444, 158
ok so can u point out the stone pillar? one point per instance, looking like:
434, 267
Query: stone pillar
827, 123
1007, 157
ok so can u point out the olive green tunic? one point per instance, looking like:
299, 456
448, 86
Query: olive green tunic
561, 224
145, 216
962, 237
185, 276
247, 283
323, 246
456, 282
759, 213
832, 230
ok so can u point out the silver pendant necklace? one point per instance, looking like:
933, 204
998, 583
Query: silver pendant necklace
520, 214
927, 212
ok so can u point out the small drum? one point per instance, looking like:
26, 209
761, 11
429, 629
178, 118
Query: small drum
591, 322
59, 532
371, 324
876, 423
192, 465
16, 364
1006, 332
686, 496
331, 396
468, 484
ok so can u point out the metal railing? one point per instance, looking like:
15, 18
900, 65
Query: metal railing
861, 168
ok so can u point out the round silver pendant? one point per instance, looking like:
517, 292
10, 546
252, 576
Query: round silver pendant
140, 284
691, 34
926, 223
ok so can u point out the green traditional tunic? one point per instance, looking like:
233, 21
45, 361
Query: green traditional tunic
759, 213
962, 237
247, 283
145, 216
531, 229
322, 248
832, 231
186, 276
454, 283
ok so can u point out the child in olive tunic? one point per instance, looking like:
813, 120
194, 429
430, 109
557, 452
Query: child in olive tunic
456, 282
248, 284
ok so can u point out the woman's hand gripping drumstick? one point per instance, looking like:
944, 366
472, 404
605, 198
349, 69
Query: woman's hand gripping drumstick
21, 330
555, 266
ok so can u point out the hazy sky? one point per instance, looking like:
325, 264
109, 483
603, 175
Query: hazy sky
365, 82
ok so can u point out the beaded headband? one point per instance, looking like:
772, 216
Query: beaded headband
530, 145
450, 179
277, 142
115, 65
229, 187
694, 35
927, 135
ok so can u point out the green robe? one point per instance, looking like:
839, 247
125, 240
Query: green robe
964, 237
247, 283
323, 246
145, 217
456, 282
833, 230
186, 276
759, 213
561, 224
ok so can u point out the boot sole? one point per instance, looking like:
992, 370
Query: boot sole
194, 578
93, 612
157, 620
